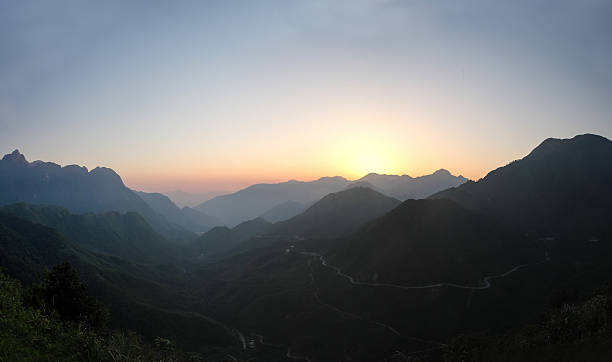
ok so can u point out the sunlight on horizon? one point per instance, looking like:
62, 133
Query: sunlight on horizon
358, 155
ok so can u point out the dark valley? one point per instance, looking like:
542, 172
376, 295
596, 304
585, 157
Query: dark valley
357, 275
306, 180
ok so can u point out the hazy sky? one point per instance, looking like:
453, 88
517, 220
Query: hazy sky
208, 95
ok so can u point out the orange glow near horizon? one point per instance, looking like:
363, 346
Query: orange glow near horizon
216, 96
348, 155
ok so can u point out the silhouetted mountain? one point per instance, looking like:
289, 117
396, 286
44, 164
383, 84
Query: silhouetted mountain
222, 239
74, 188
338, 214
400, 280
424, 241
284, 211
405, 187
255, 200
186, 217
561, 189
124, 235
436, 268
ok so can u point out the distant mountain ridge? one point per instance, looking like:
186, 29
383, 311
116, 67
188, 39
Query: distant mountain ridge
74, 188
257, 200
405, 187
479, 258
335, 215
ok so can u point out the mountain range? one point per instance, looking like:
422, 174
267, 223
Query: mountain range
74, 188
355, 275
337, 214
281, 201
483, 257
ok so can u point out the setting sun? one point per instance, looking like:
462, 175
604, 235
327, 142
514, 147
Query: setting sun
306, 180
357, 156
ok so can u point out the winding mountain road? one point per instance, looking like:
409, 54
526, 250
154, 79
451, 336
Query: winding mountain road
355, 316
339, 272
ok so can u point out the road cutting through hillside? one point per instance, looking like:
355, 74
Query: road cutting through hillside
339, 272
355, 316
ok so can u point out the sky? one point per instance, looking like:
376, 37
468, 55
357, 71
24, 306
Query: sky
217, 95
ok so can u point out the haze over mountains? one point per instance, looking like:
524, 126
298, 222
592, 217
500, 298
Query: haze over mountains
185, 217
354, 275
433, 268
280, 201
72, 186
191, 199
337, 214
75, 188
99, 190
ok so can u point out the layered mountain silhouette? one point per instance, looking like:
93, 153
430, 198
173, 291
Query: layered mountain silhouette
275, 202
356, 275
185, 217
192, 199
483, 256
255, 200
222, 239
337, 214
561, 189
74, 188
127, 235
405, 187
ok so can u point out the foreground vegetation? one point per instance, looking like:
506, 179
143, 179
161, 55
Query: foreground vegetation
571, 332
55, 320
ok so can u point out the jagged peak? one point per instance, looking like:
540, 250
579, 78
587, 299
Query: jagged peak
15, 156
